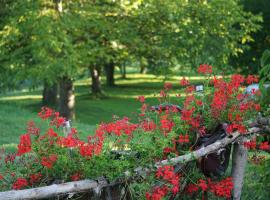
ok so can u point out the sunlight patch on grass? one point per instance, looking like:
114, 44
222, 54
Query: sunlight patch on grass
150, 95
24, 97
9, 148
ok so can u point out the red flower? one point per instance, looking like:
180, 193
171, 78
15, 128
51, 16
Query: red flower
252, 79
236, 81
257, 107
10, 158
184, 82
250, 144
49, 161
77, 176
51, 133
86, 150
166, 124
158, 193
205, 69
68, 141
190, 89
183, 139
141, 99
148, 126
191, 188
202, 184
167, 174
45, 113
264, 146
58, 121
1, 177
19, 184
168, 86
35, 178
222, 188
236, 127
25, 144
32, 129
144, 107
186, 114
199, 103
167, 150
162, 93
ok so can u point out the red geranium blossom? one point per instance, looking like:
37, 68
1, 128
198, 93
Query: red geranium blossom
184, 82
45, 113
252, 79
19, 184
205, 69
264, 146
25, 144
49, 161
76, 176
141, 99
35, 178
168, 86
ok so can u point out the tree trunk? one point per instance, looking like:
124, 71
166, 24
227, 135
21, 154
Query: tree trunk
239, 161
96, 83
142, 70
67, 98
123, 71
109, 69
49, 94
58, 5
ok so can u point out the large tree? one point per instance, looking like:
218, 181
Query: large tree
188, 33
36, 43
249, 61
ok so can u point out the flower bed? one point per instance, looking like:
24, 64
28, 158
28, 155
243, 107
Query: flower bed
162, 132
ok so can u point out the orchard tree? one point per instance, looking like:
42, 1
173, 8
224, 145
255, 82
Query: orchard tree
37, 44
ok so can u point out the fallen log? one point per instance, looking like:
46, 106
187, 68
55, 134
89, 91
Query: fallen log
87, 185
49, 191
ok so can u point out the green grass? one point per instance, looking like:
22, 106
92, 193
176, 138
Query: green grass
19, 107
13, 123
119, 100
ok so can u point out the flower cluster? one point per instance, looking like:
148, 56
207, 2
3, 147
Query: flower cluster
205, 69
222, 188
25, 144
19, 184
49, 161
171, 184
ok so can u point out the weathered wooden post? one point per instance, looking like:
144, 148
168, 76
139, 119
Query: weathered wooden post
239, 160
66, 128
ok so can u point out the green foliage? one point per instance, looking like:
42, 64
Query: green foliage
39, 41
249, 61
188, 33
265, 79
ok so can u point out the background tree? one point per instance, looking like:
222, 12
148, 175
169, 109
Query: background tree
38, 46
249, 61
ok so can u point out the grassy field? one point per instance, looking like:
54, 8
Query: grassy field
17, 108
